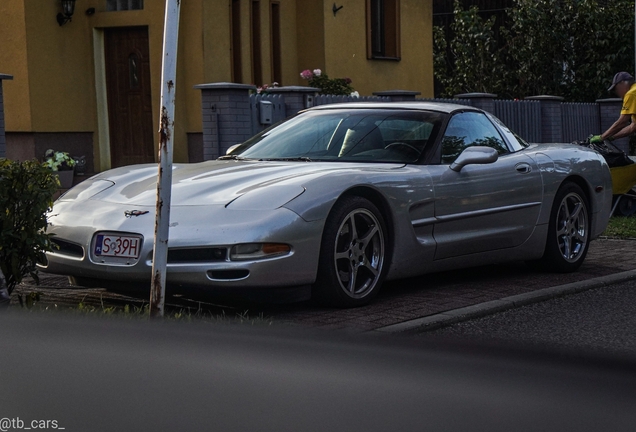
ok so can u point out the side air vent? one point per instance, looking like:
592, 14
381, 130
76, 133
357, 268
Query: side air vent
67, 248
228, 274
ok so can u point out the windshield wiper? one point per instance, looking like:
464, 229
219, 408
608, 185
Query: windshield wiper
231, 157
288, 159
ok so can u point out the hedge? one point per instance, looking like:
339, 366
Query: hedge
26, 194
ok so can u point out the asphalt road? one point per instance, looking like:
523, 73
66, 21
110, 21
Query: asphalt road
599, 321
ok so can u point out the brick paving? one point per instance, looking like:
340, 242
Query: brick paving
399, 301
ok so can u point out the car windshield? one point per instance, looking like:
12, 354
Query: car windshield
346, 135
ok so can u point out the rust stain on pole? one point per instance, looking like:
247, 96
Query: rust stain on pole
156, 303
156, 292
164, 132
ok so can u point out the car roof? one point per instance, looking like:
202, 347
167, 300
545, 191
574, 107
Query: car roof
415, 105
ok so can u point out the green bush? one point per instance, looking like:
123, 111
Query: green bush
26, 193
569, 48
328, 86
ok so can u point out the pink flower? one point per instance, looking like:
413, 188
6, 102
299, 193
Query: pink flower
317, 72
306, 74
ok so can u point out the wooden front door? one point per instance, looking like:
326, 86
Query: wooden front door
129, 101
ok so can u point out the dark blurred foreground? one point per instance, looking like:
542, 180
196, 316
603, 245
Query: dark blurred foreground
104, 374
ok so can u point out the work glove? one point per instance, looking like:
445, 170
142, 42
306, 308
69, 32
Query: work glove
596, 139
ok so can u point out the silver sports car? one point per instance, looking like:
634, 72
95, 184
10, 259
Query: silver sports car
338, 199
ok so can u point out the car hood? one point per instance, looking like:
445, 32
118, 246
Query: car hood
213, 182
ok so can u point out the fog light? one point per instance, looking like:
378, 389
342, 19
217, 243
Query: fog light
250, 251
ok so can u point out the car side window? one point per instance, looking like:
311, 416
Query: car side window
470, 129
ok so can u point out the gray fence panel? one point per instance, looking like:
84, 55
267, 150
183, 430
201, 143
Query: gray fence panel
522, 117
466, 102
279, 111
254, 113
580, 120
334, 99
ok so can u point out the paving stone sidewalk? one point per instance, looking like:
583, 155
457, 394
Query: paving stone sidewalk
398, 302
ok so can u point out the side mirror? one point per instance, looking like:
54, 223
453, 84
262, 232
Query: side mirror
475, 155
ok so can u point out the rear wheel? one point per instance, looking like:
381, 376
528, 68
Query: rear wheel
569, 230
352, 254
626, 205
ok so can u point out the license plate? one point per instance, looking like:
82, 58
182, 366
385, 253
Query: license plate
117, 246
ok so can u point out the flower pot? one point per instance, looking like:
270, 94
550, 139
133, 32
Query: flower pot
66, 178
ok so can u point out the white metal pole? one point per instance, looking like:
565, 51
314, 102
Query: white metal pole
164, 180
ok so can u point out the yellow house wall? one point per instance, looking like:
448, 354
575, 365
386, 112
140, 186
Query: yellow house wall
265, 42
217, 61
14, 61
289, 45
311, 37
217, 54
54, 86
59, 70
56, 89
413, 72
190, 72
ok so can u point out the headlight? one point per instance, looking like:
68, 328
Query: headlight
251, 251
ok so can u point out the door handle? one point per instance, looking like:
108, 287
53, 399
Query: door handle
523, 168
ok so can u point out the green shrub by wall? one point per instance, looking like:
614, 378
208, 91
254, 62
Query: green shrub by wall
26, 193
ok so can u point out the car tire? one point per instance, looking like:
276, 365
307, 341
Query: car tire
626, 205
353, 254
568, 231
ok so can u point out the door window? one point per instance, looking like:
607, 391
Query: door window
470, 129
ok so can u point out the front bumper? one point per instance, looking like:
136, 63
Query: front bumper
191, 228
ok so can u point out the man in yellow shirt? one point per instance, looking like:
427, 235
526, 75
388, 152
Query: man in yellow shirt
623, 86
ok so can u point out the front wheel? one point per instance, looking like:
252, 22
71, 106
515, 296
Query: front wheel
569, 230
352, 254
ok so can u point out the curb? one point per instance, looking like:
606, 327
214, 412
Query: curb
454, 316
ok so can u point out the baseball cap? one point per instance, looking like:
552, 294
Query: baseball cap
620, 77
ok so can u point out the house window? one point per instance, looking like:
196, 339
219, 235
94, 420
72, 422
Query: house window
276, 53
257, 72
237, 64
122, 5
383, 29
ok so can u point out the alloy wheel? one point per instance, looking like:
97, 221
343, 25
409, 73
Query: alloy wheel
359, 253
571, 229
